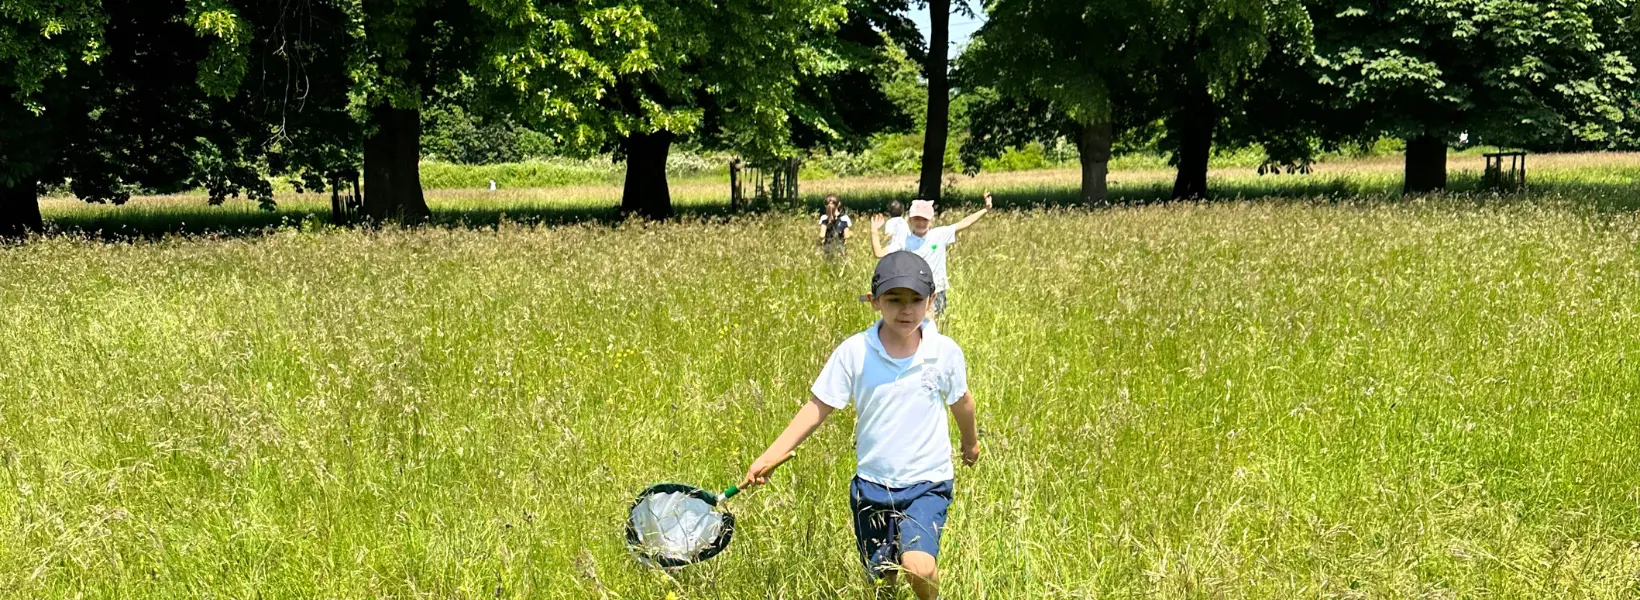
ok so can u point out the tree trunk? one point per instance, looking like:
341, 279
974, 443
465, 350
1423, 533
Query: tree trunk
20, 209
1193, 131
646, 193
338, 215
392, 167
1093, 145
1425, 165
939, 99
737, 194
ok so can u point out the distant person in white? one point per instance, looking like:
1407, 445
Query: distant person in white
929, 242
895, 228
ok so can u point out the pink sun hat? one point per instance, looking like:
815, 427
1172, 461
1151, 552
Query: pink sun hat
921, 208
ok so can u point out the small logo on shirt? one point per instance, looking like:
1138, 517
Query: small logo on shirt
933, 379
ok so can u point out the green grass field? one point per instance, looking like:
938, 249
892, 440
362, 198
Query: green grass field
1327, 395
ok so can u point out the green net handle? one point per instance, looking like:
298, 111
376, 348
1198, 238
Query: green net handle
735, 489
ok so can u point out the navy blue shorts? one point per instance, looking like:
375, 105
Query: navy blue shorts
889, 522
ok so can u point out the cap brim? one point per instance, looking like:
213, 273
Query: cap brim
905, 281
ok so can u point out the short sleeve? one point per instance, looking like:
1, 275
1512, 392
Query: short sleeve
956, 375
894, 245
948, 235
847, 222
822, 219
836, 382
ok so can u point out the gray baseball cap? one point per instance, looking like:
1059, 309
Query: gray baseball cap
903, 269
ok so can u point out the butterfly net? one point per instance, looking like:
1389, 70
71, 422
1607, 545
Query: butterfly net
673, 525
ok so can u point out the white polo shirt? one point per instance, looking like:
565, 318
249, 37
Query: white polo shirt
931, 247
902, 435
897, 229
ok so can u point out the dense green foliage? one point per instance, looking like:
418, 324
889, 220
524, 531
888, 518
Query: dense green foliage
1505, 72
120, 97
1524, 73
454, 135
1534, 74
1054, 69
114, 97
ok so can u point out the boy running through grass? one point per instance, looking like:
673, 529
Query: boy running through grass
929, 242
901, 377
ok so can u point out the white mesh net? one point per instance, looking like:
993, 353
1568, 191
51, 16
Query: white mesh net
675, 525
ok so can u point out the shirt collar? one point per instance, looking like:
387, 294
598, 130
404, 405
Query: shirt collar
875, 342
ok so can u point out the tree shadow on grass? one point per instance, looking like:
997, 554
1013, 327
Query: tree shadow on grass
1597, 196
211, 222
214, 222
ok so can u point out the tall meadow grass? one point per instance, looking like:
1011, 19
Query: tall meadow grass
1325, 395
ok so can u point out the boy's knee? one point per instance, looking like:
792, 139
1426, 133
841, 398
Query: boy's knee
920, 565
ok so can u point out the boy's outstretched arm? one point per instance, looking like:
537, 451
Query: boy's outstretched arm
876, 244
807, 420
974, 218
964, 411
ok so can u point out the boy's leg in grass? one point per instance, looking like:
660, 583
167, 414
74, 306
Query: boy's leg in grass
923, 573
875, 535
919, 528
900, 525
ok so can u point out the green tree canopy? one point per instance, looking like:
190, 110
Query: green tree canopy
1507, 72
344, 84
757, 77
113, 95
1114, 64
40, 40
